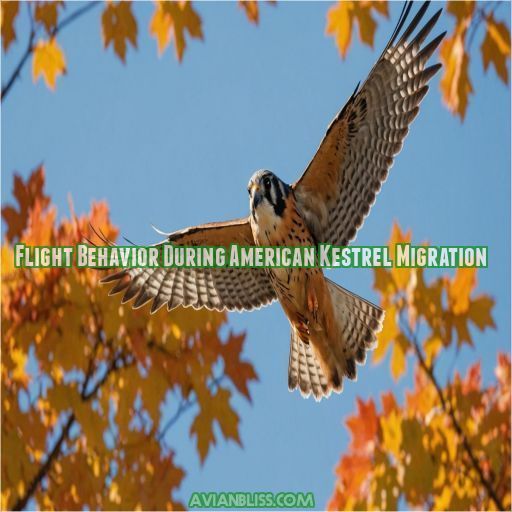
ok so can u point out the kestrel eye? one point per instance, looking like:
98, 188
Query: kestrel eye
266, 183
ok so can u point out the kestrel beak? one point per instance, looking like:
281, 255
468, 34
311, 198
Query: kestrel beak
255, 195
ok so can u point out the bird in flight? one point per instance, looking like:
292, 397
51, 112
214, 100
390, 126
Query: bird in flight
331, 327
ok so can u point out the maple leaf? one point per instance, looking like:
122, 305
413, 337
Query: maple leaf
240, 372
8, 13
342, 17
48, 61
460, 288
389, 333
455, 83
214, 408
479, 312
353, 471
363, 425
119, 26
171, 21
398, 357
392, 432
496, 47
26, 194
388, 403
108, 365
47, 14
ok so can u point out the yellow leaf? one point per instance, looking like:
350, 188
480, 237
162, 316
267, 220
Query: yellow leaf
455, 83
398, 358
8, 11
170, 21
432, 347
118, 26
390, 331
342, 16
496, 47
48, 62
392, 432
19, 358
460, 289
383, 282
339, 25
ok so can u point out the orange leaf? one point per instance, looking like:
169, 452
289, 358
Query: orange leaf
455, 83
119, 26
47, 14
26, 194
214, 408
388, 403
48, 61
9, 11
363, 425
352, 471
496, 47
171, 20
461, 9
251, 10
240, 372
480, 312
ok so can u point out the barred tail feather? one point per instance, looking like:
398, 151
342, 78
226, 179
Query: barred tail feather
358, 322
304, 371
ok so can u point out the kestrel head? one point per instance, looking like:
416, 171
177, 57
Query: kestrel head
267, 193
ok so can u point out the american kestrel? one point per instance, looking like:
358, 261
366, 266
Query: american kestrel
331, 327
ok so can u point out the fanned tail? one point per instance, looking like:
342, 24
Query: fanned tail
358, 322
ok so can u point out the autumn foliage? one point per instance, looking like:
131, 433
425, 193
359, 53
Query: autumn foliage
455, 51
446, 447
179, 22
84, 379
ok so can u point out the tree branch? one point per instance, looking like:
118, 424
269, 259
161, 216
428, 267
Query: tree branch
30, 46
45, 468
56, 450
184, 406
448, 409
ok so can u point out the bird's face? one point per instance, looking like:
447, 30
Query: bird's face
267, 194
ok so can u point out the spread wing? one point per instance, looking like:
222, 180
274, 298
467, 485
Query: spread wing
212, 288
338, 188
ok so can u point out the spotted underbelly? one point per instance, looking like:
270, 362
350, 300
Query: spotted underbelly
291, 286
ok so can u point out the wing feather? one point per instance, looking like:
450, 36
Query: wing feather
340, 185
212, 288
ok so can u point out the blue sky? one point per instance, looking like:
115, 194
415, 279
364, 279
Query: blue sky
175, 144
